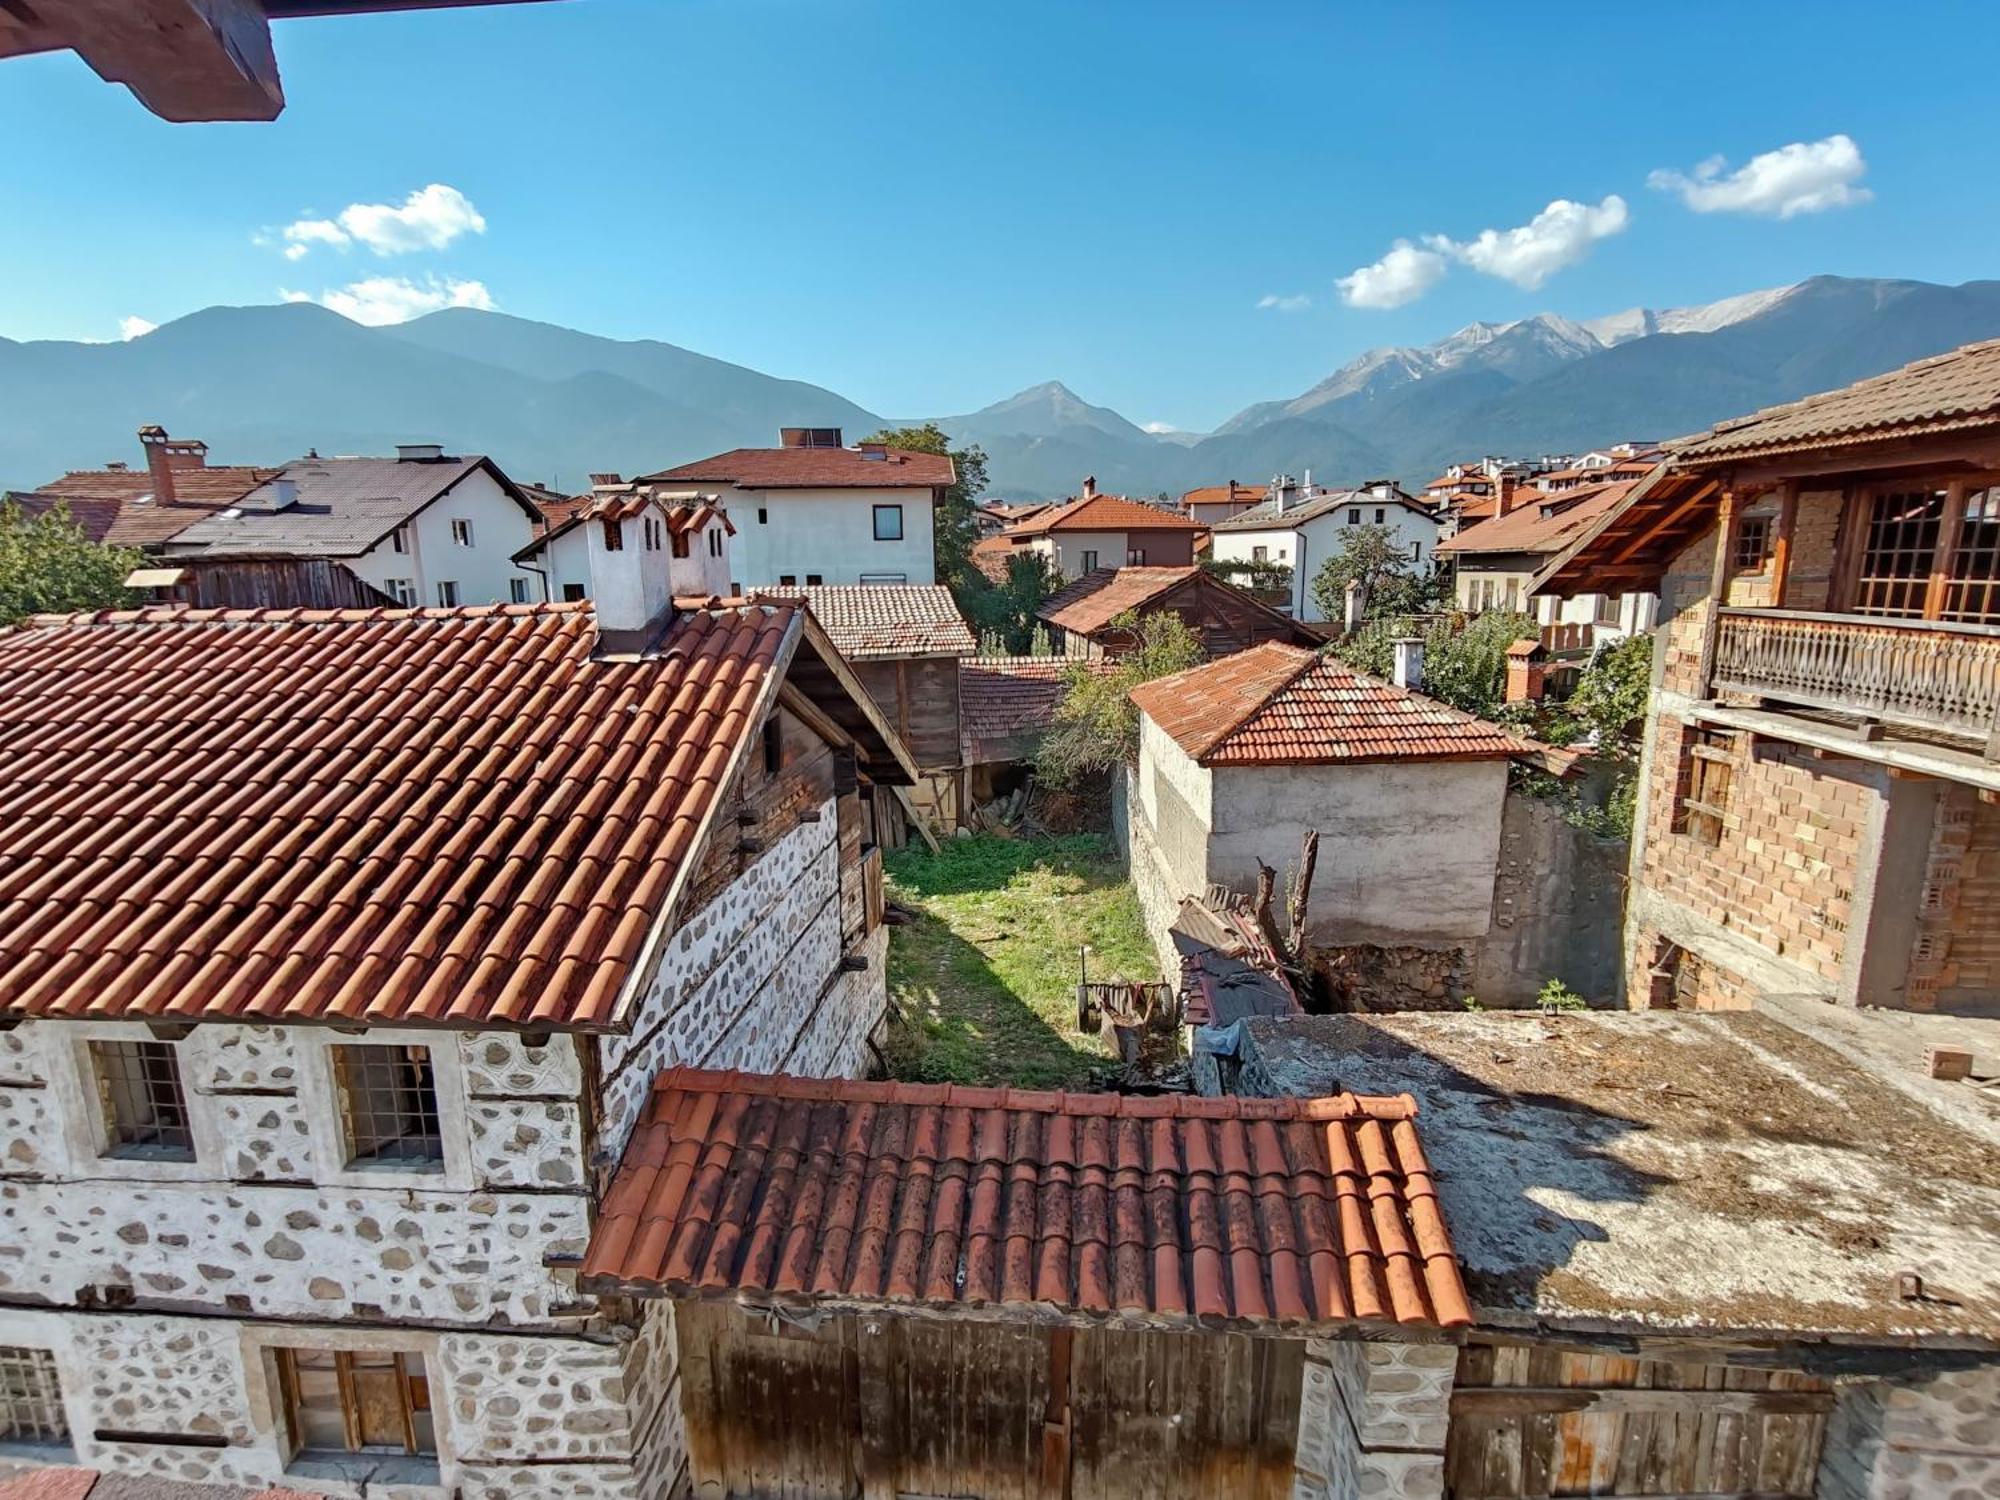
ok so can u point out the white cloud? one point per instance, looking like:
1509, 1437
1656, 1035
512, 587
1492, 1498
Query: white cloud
134, 328
379, 300
1806, 177
1560, 235
1403, 275
429, 219
1292, 303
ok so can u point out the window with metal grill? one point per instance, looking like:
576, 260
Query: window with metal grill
1707, 772
355, 1401
139, 1094
31, 1407
388, 1106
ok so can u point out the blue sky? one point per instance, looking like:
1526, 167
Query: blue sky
927, 206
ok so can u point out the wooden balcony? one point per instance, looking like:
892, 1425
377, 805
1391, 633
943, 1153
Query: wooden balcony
1925, 677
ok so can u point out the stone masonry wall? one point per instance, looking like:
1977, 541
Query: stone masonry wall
1373, 1419
1935, 1440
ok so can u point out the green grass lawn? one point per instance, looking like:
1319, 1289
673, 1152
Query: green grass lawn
984, 979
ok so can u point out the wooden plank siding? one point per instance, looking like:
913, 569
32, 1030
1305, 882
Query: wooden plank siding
919, 697
762, 806
885, 1408
1531, 1421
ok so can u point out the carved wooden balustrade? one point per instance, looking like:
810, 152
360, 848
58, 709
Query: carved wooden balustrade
1917, 674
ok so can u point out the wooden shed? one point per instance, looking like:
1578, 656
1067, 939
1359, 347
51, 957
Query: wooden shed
1085, 617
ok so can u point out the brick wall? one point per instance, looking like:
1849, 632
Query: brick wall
1783, 872
1955, 962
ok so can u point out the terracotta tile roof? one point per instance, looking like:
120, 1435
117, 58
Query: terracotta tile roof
1267, 515
442, 817
1318, 1211
1105, 513
874, 620
1944, 393
75, 1484
684, 512
1277, 705
117, 505
1540, 523
1005, 703
990, 555
1231, 493
815, 469
1098, 598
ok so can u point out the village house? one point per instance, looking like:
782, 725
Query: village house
905, 643
686, 525
1496, 563
1007, 705
1820, 807
1300, 529
811, 511
422, 528
1093, 531
127, 507
1433, 881
335, 979
1084, 618
1210, 503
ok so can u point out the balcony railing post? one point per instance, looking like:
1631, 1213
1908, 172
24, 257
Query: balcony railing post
1718, 588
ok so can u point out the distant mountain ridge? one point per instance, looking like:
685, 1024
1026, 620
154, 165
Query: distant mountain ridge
263, 384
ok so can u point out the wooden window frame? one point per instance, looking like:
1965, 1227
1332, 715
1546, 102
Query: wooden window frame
1852, 544
1706, 783
31, 1408
150, 1070
1750, 551
413, 1393
357, 1068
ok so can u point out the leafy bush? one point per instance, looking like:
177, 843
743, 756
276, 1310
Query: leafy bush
49, 564
1096, 725
1555, 995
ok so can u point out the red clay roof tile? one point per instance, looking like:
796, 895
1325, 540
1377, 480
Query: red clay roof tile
1300, 1212
1099, 597
1279, 705
814, 469
1104, 513
428, 817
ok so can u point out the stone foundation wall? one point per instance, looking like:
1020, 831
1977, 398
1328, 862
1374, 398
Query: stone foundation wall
1932, 1440
538, 1417
1373, 1419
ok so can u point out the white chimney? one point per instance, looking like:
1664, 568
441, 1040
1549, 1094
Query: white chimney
284, 493
419, 453
1409, 671
1357, 601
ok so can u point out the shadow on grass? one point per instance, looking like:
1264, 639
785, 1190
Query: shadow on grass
989, 863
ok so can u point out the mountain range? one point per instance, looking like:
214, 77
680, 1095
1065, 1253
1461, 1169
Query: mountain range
263, 384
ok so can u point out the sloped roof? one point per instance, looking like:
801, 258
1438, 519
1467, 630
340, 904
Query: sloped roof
1006, 703
990, 555
416, 817
343, 507
1293, 1212
870, 621
1267, 516
684, 512
1097, 598
1105, 513
1277, 705
815, 469
1543, 523
116, 506
1945, 393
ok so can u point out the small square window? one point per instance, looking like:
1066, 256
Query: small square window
1753, 544
814, 580
1090, 562
139, 1095
888, 523
388, 1106
31, 1405
448, 593
355, 1401
572, 593
403, 591
461, 533
680, 544
1707, 773
1260, 554
788, 580
517, 590
614, 534
1354, 517
1135, 557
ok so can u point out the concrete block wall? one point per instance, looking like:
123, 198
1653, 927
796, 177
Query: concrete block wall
1373, 1419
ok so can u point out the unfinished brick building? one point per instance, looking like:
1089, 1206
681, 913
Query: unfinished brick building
1820, 813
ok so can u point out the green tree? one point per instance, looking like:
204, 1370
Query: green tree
1610, 697
48, 564
1391, 581
953, 528
1097, 726
1466, 668
1006, 612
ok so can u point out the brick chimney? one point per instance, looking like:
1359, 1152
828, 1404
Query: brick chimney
1527, 672
164, 455
1089, 487
1506, 494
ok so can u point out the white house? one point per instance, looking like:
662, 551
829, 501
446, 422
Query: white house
1300, 529
650, 544
316, 1034
424, 527
812, 512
